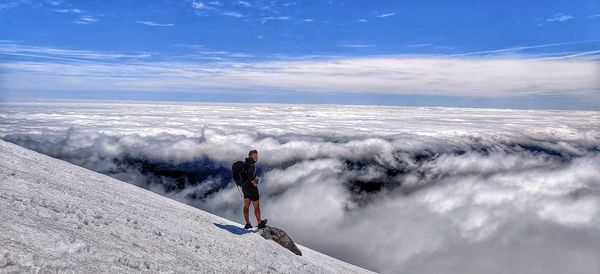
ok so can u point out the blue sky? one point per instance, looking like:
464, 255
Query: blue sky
541, 54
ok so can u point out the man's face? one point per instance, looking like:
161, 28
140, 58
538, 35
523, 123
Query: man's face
254, 156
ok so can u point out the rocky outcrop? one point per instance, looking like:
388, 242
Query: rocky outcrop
279, 236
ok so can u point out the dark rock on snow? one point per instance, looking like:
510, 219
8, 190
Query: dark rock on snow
280, 237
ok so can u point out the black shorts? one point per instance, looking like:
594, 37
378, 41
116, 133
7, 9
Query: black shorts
250, 192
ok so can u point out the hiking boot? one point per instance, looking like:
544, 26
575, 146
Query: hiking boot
248, 226
262, 224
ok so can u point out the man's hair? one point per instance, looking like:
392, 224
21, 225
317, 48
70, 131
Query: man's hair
252, 152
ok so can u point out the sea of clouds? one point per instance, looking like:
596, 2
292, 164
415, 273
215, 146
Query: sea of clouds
392, 189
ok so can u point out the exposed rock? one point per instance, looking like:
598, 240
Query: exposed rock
280, 237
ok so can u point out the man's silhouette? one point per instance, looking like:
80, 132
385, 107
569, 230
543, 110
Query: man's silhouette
250, 190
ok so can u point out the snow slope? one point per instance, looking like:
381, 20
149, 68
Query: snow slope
60, 217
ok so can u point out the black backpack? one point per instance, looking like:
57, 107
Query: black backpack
238, 174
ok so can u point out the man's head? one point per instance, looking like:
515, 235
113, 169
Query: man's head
253, 154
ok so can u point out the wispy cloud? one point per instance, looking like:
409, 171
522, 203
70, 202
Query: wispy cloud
386, 15
72, 11
517, 49
153, 24
362, 20
55, 2
198, 4
200, 52
559, 17
418, 45
254, 11
14, 49
357, 45
212, 8
83, 17
12, 4
187, 52
233, 14
86, 19
586, 53
276, 18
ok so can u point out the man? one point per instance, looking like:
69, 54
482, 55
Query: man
250, 190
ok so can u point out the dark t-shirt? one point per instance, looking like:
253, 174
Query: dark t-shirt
249, 190
250, 168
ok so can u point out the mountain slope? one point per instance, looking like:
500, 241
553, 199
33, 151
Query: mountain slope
60, 217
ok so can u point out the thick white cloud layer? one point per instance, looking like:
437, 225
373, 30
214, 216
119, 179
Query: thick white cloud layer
434, 75
456, 190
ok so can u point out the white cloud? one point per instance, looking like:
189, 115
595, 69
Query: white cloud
578, 54
212, 8
202, 52
55, 2
572, 75
418, 45
153, 24
386, 14
198, 5
362, 20
521, 48
394, 75
357, 45
73, 11
276, 18
13, 4
86, 19
12, 48
233, 14
559, 17
261, 12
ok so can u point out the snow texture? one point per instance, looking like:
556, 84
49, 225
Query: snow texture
58, 217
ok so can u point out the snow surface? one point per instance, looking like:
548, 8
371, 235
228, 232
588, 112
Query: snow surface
60, 217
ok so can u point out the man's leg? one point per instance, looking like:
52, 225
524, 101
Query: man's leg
256, 205
247, 210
